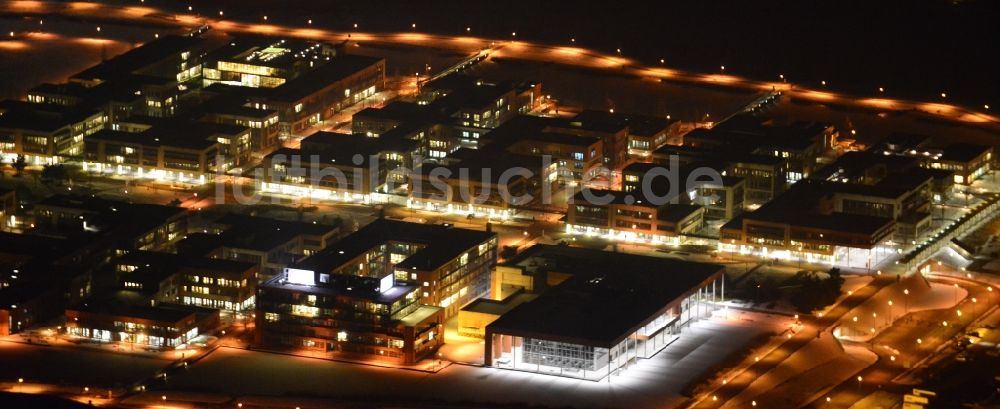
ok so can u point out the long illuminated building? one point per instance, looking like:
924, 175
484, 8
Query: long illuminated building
604, 312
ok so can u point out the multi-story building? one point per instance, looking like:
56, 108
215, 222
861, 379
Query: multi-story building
182, 152
347, 316
383, 291
270, 244
488, 187
263, 123
319, 93
199, 281
450, 265
178, 58
45, 133
119, 225
40, 274
631, 217
264, 62
802, 224
342, 167
968, 162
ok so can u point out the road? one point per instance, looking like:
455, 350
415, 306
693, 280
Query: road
912, 341
726, 389
506, 48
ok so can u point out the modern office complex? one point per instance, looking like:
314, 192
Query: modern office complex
203, 282
380, 293
603, 313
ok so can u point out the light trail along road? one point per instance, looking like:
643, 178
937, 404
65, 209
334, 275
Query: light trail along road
509, 48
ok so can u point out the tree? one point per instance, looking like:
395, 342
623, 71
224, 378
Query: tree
816, 293
55, 174
19, 164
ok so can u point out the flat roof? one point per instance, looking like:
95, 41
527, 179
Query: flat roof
797, 207
175, 133
422, 313
441, 244
142, 56
642, 125
254, 233
609, 296
388, 296
498, 307
337, 69
158, 314
401, 111
266, 51
41, 117
963, 152
182, 261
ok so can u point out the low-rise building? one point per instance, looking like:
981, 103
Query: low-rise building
146, 326
601, 311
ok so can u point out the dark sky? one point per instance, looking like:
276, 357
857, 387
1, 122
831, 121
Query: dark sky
914, 48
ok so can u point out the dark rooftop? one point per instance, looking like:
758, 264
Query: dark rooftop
335, 70
137, 58
40, 117
441, 245
963, 152
609, 296
642, 125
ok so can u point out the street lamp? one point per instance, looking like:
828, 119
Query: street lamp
944, 95
881, 90
906, 301
722, 68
